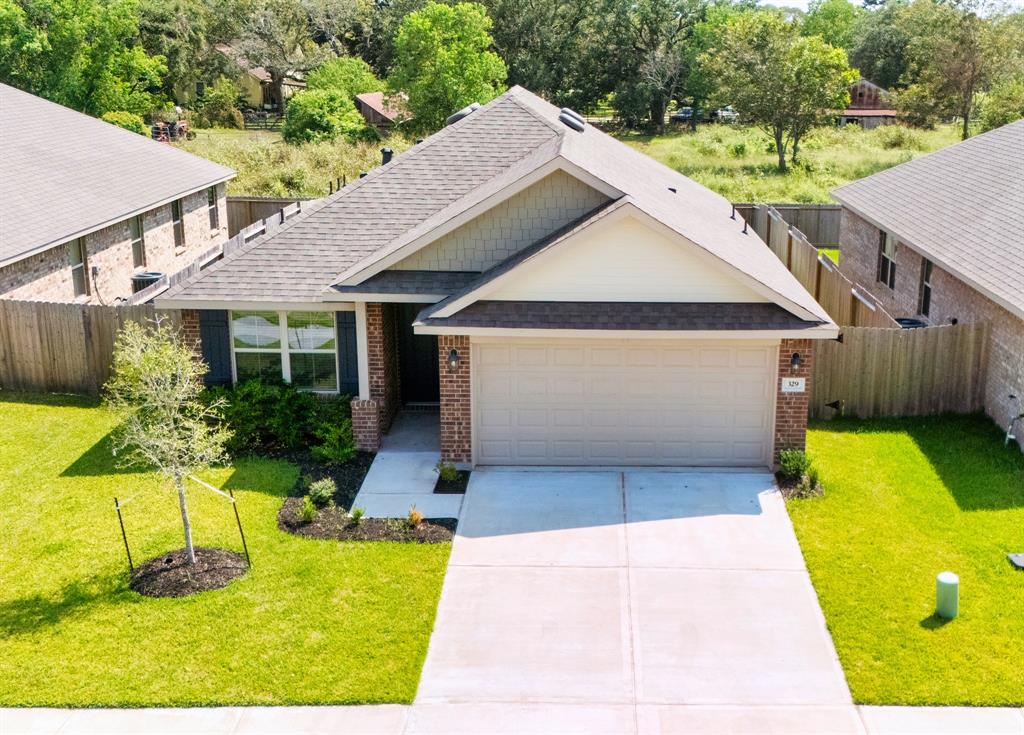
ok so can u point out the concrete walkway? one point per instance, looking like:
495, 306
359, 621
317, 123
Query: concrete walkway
403, 473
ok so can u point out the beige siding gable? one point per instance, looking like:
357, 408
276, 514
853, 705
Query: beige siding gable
508, 227
624, 261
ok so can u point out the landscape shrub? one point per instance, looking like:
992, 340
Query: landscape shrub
793, 464
322, 491
337, 445
324, 114
446, 471
218, 107
415, 517
127, 120
356, 516
308, 510
898, 137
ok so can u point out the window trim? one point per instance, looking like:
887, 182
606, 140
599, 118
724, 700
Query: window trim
924, 295
138, 243
213, 208
178, 224
284, 351
79, 242
887, 262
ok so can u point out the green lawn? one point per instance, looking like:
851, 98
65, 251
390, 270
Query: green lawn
739, 162
904, 500
312, 622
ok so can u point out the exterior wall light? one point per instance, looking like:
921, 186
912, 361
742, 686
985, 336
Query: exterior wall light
794, 361
453, 360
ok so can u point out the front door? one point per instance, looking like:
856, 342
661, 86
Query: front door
417, 359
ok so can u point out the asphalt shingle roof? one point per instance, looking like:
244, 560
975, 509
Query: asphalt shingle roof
66, 174
412, 282
961, 207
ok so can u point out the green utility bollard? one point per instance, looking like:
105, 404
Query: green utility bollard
947, 595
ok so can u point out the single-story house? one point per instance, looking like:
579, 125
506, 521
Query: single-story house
85, 206
562, 298
869, 106
378, 109
255, 82
939, 239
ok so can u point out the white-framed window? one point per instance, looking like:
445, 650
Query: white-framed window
79, 266
887, 259
211, 207
138, 232
178, 221
924, 299
297, 347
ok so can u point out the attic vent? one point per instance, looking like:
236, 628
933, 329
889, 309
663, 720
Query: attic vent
455, 117
572, 119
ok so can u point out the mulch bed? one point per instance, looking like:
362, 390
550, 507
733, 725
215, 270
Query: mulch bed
334, 524
170, 575
454, 487
791, 488
348, 477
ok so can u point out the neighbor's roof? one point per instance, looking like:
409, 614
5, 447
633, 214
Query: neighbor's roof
448, 173
961, 207
377, 102
66, 174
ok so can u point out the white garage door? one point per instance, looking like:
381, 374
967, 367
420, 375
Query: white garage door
610, 402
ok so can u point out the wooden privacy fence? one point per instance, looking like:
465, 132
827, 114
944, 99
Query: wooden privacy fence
901, 372
244, 211
66, 348
818, 222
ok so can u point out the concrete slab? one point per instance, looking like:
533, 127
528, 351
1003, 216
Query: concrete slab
169, 721
391, 505
33, 721
708, 520
714, 720
731, 637
414, 431
541, 519
521, 718
385, 719
942, 720
530, 634
401, 472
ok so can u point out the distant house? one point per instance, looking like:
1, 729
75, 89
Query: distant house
378, 109
86, 206
938, 239
869, 106
258, 91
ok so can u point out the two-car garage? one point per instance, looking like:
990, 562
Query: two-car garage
623, 402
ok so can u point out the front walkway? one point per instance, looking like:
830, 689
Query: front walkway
403, 473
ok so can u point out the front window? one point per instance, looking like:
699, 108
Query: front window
79, 276
211, 206
179, 226
297, 347
924, 301
138, 241
887, 259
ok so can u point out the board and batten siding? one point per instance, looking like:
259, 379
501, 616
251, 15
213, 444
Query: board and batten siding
623, 261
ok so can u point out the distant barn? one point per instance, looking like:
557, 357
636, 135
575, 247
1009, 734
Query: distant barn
869, 106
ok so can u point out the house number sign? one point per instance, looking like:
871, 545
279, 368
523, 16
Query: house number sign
794, 385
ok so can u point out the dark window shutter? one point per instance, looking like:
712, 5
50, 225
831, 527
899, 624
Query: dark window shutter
881, 257
348, 363
214, 333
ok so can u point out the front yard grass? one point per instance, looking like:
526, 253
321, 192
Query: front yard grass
311, 622
904, 500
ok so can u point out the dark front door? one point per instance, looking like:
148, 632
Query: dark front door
417, 359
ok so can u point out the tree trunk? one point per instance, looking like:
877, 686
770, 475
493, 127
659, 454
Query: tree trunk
796, 148
780, 149
190, 552
965, 131
657, 110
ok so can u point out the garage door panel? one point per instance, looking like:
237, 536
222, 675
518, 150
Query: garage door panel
647, 403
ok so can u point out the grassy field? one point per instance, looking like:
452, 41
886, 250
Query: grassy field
312, 621
739, 162
905, 500
269, 167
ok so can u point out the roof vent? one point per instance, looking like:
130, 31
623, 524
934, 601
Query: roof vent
572, 119
455, 117
672, 189
385, 156
362, 174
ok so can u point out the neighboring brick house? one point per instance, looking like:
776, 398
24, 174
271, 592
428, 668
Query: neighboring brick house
941, 239
561, 298
85, 206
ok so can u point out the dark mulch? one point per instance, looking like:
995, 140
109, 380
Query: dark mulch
453, 487
334, 523
170, 575
348, 477
795, 488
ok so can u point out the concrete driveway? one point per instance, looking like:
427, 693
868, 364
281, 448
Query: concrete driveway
579, 601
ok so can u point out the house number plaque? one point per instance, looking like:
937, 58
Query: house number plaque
794, 385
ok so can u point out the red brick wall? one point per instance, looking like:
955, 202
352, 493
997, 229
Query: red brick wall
366, 424
190, 328
791, 408
382, 357
456, 416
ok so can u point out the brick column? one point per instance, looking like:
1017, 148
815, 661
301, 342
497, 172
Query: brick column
456, 417
366, 424
372, 417
190, 331
791, 408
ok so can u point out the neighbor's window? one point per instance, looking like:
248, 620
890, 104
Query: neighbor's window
138, 241
211, 207
924, 299
887, 259
179, 225
298, 347
79, 275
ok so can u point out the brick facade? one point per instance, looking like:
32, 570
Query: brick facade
791, 408
366, 424
372, 417
951, 299
46, 276
456, 413
190, 330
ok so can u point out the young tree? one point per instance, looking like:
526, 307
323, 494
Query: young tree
443, 62
783, 82
155, 390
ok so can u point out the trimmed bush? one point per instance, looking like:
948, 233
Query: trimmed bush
794, 464
127, 120
322, 492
